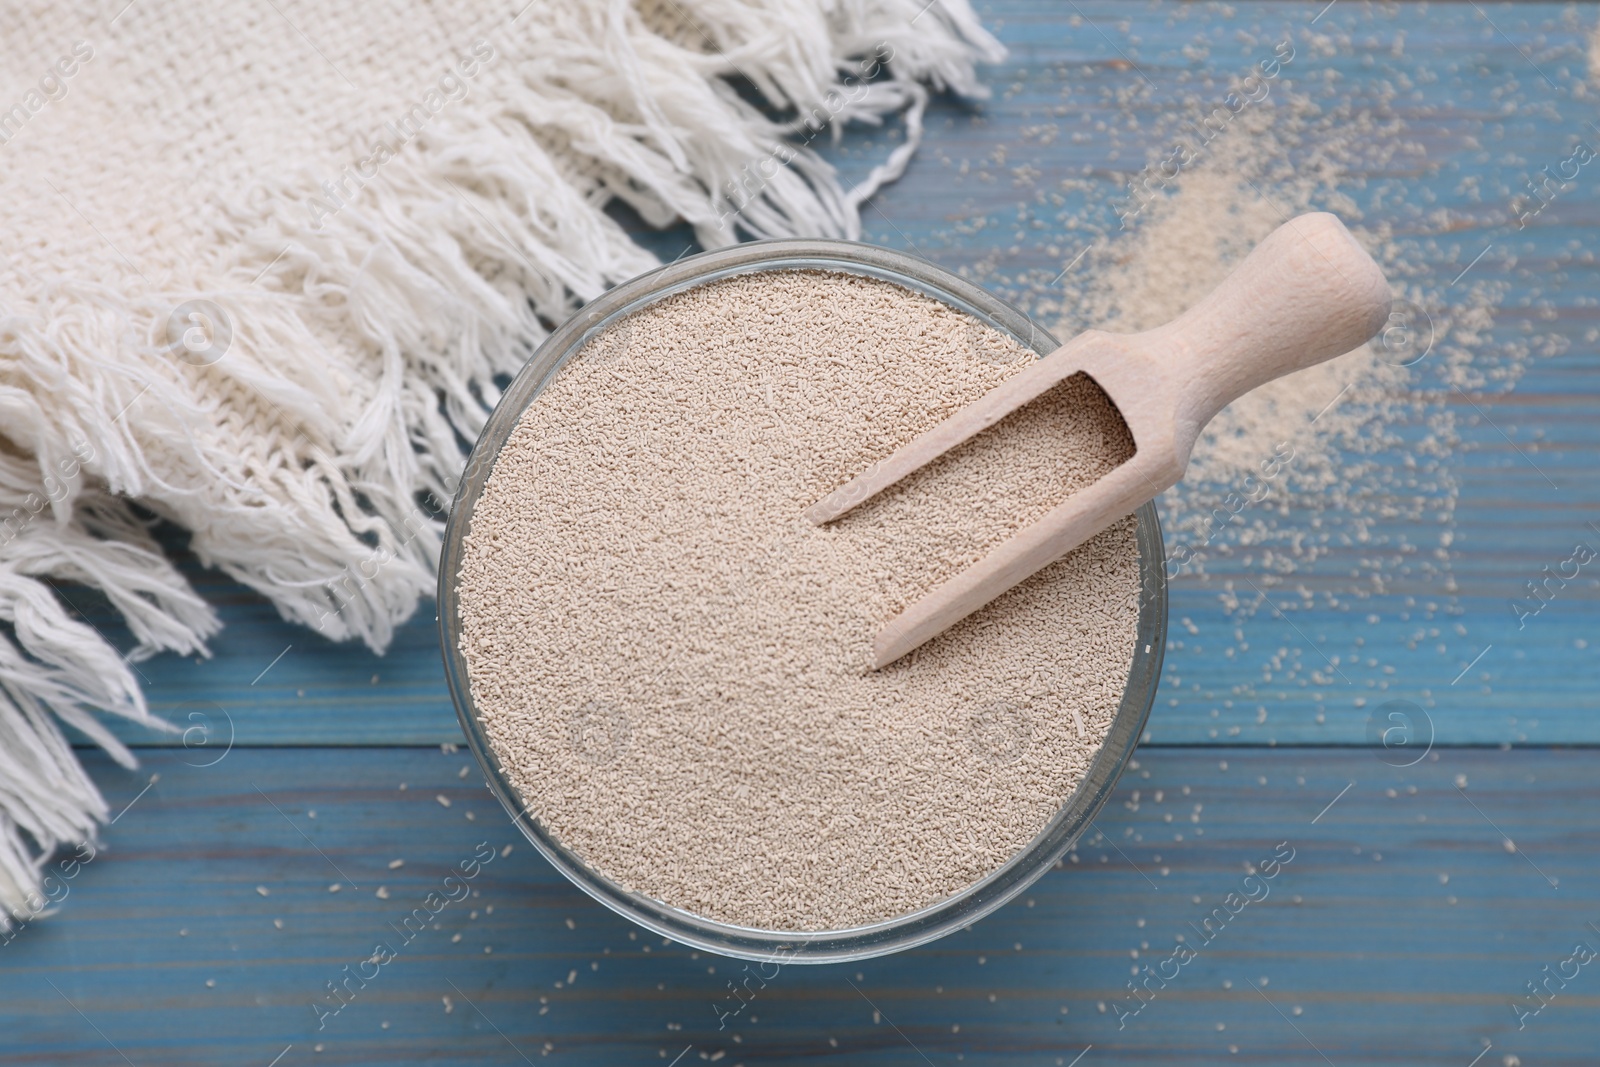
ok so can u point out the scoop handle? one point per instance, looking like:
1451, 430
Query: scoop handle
1305, 294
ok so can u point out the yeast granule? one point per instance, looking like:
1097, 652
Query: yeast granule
672, 664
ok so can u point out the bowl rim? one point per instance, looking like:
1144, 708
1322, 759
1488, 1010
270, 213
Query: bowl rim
928, 923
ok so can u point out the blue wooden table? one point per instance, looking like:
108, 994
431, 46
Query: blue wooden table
319, 795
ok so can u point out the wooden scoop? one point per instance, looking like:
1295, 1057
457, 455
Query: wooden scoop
1305, 294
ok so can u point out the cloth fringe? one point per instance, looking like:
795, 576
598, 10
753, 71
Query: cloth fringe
351, 330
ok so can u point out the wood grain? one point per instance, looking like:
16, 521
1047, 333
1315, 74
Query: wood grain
1387, 962
1390, 963
998, 222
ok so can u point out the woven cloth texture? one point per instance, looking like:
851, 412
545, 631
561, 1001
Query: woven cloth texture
263, 262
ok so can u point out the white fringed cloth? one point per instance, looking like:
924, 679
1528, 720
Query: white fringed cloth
260, 263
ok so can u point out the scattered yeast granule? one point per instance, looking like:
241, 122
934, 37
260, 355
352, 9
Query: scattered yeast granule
672, 663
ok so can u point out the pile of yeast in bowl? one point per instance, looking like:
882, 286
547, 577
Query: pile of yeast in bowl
671, 663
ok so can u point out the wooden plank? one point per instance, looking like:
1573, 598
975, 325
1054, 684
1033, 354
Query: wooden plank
1360, 941
1473, 95
1001, 222
268, 681
1387, 962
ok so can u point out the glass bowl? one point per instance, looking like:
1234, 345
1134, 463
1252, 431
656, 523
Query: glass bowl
829, 946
